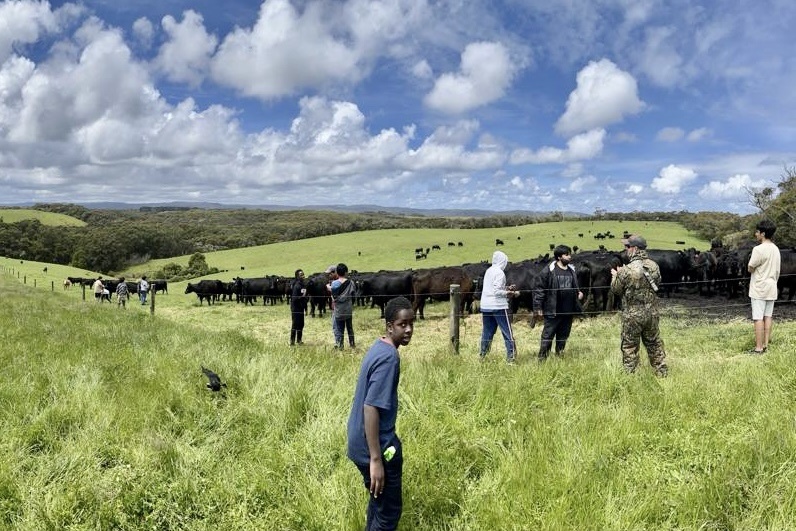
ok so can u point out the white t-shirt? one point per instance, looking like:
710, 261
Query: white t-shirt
765, 260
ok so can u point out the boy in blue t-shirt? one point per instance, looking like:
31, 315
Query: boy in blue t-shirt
373, 445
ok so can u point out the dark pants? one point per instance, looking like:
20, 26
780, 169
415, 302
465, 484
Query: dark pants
385, 511
340, 325
297, 325
559, 327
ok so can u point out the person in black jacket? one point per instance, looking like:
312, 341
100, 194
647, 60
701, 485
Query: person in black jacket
298, 306
556, 297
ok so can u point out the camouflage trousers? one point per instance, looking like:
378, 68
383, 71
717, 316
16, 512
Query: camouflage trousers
638, 328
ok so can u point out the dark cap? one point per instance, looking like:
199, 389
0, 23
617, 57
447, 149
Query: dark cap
635, 241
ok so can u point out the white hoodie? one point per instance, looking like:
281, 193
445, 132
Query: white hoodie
494, 294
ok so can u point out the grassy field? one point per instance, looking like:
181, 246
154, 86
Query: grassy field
394, 249
106, 423
12, 215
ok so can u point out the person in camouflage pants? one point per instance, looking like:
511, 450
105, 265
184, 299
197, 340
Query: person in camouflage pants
637, 283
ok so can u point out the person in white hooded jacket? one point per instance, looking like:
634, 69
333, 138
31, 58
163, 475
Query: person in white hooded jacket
495, 306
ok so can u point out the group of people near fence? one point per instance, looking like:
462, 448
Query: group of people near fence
102, 293
374, 446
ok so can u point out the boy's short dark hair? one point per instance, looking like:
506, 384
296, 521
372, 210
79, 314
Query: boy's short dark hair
342, 269
295, 275
394, 306
767, 227
561, 250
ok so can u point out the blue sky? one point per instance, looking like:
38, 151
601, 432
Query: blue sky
574, 105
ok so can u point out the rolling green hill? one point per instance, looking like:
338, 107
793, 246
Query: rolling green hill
13, 215
393, 249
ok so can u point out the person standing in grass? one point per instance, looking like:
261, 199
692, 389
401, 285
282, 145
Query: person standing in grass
298, 305
122, 292
495, 306
764, 266
373, 445
97, 287
556, 298
343, 292
637, 283
143, 288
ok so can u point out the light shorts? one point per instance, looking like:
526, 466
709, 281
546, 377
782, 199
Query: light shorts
762, 308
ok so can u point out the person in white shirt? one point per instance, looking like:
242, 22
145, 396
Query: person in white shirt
495, 306
143, 288
764, 265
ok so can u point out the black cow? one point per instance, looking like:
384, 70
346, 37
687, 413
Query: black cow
787, 273
476, 272
704, 265
435, 284
674, 266
460, 244
210, 290
319, 297
594, 278
523, 276
451, 244
248, 289
498, 241
159, 284
385, 285
437, 247
728, 273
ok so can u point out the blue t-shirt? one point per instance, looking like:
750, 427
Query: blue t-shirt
377, 386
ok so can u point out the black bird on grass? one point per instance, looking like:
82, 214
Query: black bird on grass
214, 382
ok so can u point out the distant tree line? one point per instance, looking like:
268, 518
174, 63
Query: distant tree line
113, 240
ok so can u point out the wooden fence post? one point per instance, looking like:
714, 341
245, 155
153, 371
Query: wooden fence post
456, 301
152, 299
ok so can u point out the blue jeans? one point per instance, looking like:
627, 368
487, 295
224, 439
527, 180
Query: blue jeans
142, 296
493, 319
341, 325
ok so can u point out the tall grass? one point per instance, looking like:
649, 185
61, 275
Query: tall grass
106, 424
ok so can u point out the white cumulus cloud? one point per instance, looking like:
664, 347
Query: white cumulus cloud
604, 95
143, 31
672, 178
699, 134
580, 147
185, 56
485, 73
733, 188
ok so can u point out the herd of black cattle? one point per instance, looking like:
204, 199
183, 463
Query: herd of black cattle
719, 271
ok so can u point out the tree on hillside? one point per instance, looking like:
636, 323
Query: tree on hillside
779, 207
197, 265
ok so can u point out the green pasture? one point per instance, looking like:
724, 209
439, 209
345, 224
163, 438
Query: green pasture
106, 423
12, 215
394, 249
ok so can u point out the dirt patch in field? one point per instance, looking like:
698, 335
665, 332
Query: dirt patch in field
720, 308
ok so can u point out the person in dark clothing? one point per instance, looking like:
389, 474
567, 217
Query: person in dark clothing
556, 297
298, 306
343, 293
373, 444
